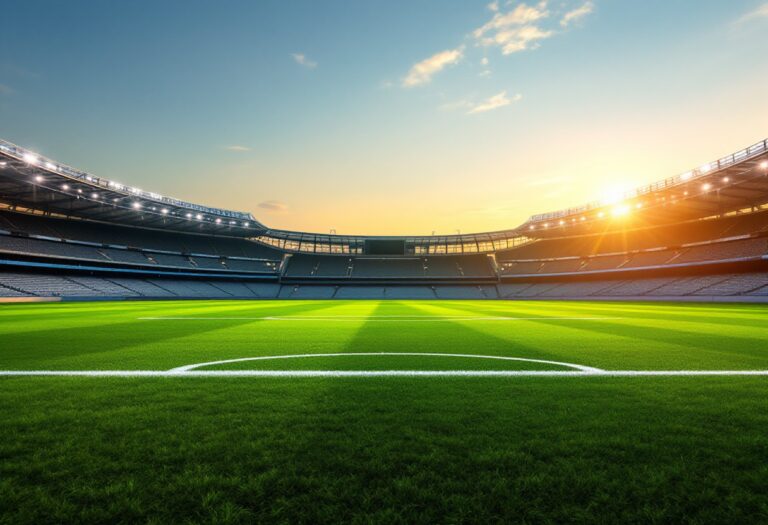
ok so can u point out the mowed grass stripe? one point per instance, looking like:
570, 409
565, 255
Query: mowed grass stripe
252, 338
386, 449
641, 339
634, 341
515, 340
129, 344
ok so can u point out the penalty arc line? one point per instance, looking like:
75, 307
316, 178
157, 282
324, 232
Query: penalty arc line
388, 354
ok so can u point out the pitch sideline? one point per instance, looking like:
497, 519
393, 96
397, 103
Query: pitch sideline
380, 319
379, 373
190, 371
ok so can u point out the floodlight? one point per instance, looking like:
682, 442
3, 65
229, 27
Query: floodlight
30, 158
94, 195
3, 164
620, 211
218, 221
39, 178
726, 180
562, 222
136, 205
246, 224
199, 217
65, 187
164, 211
706, 187
764, 165
79, 190
532, 227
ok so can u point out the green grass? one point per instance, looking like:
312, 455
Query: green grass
383, 450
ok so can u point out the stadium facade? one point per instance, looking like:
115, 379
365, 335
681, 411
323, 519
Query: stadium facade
64, 233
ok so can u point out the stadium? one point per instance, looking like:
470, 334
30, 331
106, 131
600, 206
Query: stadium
364, 347
701, 235
220, 301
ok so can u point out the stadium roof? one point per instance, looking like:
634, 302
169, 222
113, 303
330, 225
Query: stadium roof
737, 181
31, 180
733, 182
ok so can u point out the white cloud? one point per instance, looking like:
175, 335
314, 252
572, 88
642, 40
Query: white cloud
522, 14
302, 60
498, 100
520, 38
512, 29
760, 12
237, 147
515, 30
579, 13
273, 205
422, 72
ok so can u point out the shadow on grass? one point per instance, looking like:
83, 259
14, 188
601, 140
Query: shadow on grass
34, 347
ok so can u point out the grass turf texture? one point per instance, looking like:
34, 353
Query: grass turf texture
383, 449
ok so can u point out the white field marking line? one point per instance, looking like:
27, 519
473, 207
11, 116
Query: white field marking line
380, 373
581, 368
391, 319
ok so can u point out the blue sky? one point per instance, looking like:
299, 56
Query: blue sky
385, 117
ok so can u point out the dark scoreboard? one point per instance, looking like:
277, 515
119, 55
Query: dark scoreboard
384, 247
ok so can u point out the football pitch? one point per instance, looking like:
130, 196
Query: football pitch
383, 412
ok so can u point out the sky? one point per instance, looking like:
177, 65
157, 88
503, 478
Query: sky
385, 117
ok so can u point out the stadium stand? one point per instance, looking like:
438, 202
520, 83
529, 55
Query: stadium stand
672, 239
388, 268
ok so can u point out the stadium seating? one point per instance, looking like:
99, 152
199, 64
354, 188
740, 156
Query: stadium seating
736, 284
20, 285
640, 239
130, 246
718, 285
88, 231
300, 265
345, 267
361, 292
84, 259
714, 251
409, 292
307, 292
386, 268
464, 292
